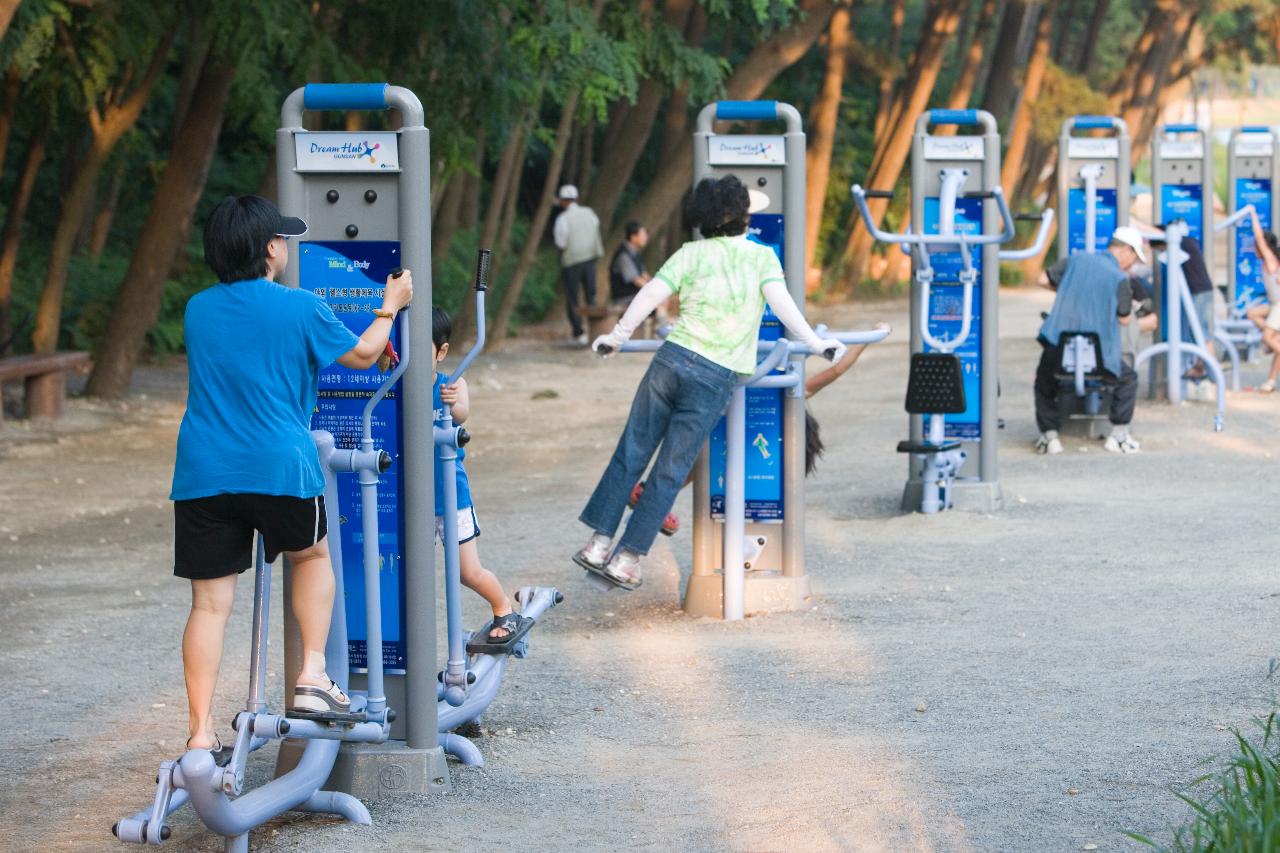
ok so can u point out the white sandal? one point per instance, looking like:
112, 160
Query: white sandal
1266, 387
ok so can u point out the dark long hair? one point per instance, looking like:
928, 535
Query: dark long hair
813, 445
718, 208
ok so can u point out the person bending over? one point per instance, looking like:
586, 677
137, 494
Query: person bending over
723, 282
1267, 317
507, 626
245, 459
1093, 295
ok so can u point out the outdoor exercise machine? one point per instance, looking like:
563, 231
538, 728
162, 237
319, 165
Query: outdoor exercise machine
1176, 351
1253, 177
952, 388
1182, 188
749, 505
1093, 190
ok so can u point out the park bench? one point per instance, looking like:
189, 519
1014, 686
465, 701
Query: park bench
44, 377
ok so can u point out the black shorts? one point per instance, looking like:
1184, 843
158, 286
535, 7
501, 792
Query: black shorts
213, 536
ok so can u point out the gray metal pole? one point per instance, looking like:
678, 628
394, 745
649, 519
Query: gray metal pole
988, 418
795, 265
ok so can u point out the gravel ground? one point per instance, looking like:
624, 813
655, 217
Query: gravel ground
1034, 679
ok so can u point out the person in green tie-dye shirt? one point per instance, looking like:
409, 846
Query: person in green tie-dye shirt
723, 282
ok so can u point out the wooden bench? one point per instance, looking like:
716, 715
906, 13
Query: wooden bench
45, 379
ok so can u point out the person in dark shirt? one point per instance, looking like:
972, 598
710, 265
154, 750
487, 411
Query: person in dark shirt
1201, 287
626, 269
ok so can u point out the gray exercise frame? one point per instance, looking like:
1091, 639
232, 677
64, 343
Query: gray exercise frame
1252, 152
1092, 164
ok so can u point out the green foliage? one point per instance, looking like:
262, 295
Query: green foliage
1236, 809
1062, 95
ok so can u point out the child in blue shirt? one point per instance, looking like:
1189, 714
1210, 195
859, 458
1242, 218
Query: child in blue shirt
507, 626
246, 464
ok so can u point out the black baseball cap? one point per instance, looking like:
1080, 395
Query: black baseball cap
289, 226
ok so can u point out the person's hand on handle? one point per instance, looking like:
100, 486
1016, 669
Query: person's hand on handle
399, 291
831, 349
607, 345
883, 325
449, 394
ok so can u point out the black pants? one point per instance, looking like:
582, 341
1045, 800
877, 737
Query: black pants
1124, 394
577, 276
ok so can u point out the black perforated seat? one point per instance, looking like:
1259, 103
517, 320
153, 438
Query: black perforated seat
926, 447
936, 384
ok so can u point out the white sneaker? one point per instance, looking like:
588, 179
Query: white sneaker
624, 568
595, 554
1123, 443
581, 340
1048, 443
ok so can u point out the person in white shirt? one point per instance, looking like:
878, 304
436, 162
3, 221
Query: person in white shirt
577, 236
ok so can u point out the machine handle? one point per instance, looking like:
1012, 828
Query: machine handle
956, 117
482, 283
1093, 122
1028, 217
979, 194
1037, 246
747, 110
1234, 219
1006, 218
1255, 128
878, 194
345, 96
482, 269
1181, 128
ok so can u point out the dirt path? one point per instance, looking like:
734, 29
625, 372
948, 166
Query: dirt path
1073, 655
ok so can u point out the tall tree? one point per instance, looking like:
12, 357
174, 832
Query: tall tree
940, 22
111, 112
1089, 42
1020, 133
760, 68
7, 8
822, 127
15, 216
167, 226
962, 91
887, 67
1001, 88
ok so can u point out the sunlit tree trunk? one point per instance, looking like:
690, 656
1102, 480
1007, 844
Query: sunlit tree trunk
15, 217
822, 128
1021, 129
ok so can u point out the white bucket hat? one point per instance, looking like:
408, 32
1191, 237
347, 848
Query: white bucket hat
1131, 238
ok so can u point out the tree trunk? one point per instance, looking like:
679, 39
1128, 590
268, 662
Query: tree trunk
165, 231
470, 214
108, 126
939, 27
511, 297
106, 212
1140, 111
511, 152
760, 68
509, 210
1021, 131
7, 8
1175, 61
197, 49
8, 109
1004, 64
1089, 45
632, 134
1122, 89
586, 178
445, 225
884, 105
822, 129
14, 219
962, 91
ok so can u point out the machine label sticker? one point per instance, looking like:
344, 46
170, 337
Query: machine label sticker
347, 152
1254, 145
1185, 203
764, 426
946, 311
1085, 148
747, 151
1172, 149
349, 275
954, 148
1248, 271
1105, 223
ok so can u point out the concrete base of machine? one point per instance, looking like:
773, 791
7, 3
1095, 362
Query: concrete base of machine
967, 495
764, 592
378, 771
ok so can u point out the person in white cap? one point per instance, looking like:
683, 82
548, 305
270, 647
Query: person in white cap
1094, 295
577, 236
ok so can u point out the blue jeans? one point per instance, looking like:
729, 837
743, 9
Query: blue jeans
679, 400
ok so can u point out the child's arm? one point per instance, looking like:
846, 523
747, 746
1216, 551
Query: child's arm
1260, 246
457, 397
785, 308
646, 300
818, 381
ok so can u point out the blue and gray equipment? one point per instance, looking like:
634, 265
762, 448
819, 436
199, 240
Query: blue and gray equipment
954, 309
1093, 194
748, 483
1253, 180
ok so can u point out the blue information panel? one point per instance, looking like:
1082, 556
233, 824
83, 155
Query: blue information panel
1185, 203
1257, 192
946, 312
1104, 224
350, 276
763, 474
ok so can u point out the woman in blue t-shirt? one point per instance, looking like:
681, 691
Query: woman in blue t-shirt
245, 458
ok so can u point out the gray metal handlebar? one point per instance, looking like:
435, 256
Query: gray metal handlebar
1042, 236
1234, 219
925, 240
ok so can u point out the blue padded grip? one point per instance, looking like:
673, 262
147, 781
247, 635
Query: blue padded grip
1181, 128
747, 110
1094, 122
1255, 128
960, 117
345, 96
